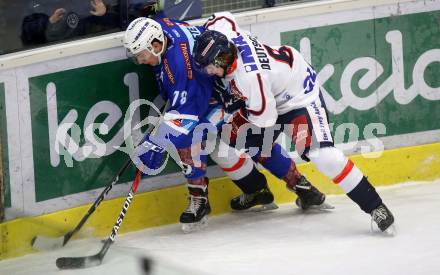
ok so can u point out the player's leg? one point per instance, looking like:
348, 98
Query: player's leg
241, 169
194, 161
195, 216
343, 172
311, 134
280, 164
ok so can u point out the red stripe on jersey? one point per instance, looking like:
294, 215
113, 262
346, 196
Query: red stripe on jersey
234, 28
348, 167
263, 98
236, 166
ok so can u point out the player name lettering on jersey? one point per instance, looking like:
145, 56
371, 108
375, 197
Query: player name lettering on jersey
261, 53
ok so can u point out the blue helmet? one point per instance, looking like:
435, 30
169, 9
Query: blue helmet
213, 47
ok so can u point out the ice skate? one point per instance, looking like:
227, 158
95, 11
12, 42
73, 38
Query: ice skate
262, 200
384, 220
195, 216
308, 196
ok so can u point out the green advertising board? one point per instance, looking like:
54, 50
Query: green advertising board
4, 147
378, 71
93, 94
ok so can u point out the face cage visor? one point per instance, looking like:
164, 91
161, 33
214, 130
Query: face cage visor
207, 69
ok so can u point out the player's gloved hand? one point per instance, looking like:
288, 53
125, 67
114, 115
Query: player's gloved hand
237, 119
230, 102
150, 153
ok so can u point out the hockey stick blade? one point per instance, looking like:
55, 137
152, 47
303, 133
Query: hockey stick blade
46, 243
94, 260
79, 262
86, 261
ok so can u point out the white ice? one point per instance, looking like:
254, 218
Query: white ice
283, 241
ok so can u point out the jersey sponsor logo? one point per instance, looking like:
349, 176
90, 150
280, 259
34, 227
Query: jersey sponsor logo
245, 53
320, 120
186, 59
261, 53
168, 71
168, 22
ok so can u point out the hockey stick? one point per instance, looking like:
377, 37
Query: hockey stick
45, 243
40, 242
94, 260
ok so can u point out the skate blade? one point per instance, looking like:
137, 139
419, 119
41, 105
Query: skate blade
257, 208
196, 226
263, 207
391, 231
322, 207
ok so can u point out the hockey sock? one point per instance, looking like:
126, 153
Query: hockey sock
365, 195
198, 187
280, 165
252, 182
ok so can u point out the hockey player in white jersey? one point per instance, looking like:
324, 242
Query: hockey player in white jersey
281, 93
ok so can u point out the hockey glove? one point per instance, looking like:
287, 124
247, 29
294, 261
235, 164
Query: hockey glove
237, 120
223, 96
151, 154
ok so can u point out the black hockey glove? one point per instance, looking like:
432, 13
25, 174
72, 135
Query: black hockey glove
222, 95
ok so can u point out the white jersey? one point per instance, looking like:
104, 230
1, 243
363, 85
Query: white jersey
271, 80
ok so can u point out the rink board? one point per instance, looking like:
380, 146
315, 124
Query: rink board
160, 207
377, 60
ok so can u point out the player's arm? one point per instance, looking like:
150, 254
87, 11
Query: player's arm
260, 102
223, 22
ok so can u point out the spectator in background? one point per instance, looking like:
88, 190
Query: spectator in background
66, 22
33, 29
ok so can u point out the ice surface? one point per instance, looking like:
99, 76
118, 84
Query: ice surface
283, 241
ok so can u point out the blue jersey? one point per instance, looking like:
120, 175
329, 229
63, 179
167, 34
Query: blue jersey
188, 90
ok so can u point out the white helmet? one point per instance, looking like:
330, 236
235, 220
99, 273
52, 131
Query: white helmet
140, 35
